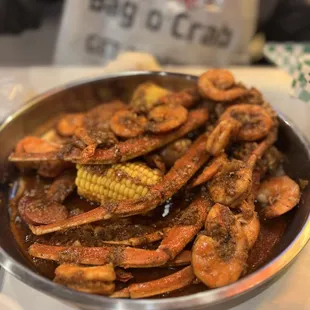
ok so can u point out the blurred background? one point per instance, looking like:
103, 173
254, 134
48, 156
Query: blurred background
29, 29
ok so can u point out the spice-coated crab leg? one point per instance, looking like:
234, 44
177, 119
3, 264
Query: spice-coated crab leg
178, 175
262, 148
133, 148
93, 280
184, 258
121, 152
211, 170
185, 229
170, 283
138, 241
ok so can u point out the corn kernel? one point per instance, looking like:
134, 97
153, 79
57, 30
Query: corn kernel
144, 191
139, 189
126, 191
112, 185
122, 189
131, 193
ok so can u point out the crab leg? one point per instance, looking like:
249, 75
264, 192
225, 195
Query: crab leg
133, 148
119, 256
99, 273
210, 171
91, 216
184, 258
170, 283
178, 175
98, 288
187, 226
121, 152
93, 280
62, 187
138, 241
178, 237
262, 148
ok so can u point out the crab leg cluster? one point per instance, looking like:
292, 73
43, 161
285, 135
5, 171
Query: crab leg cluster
122, 155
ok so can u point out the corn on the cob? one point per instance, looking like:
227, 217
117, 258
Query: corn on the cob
146, 96
116, 182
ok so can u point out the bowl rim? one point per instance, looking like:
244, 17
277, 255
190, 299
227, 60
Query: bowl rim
206, 298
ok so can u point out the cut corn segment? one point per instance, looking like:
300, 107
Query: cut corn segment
146, 96
115, 182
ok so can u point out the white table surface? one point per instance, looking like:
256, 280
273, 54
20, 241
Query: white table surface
292, 289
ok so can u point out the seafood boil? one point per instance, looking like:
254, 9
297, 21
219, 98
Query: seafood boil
168, 194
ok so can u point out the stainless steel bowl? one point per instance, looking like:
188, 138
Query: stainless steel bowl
83, 95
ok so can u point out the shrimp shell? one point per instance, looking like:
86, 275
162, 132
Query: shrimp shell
217, 84
279, 194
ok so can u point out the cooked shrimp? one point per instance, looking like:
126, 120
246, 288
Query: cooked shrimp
221, 78
232, 184
255, 121
279, 195
127, 124
103, 112
217, 84
254, 97
221, 136
219, 258
69, 123
35, 145
164, 118
31, 146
